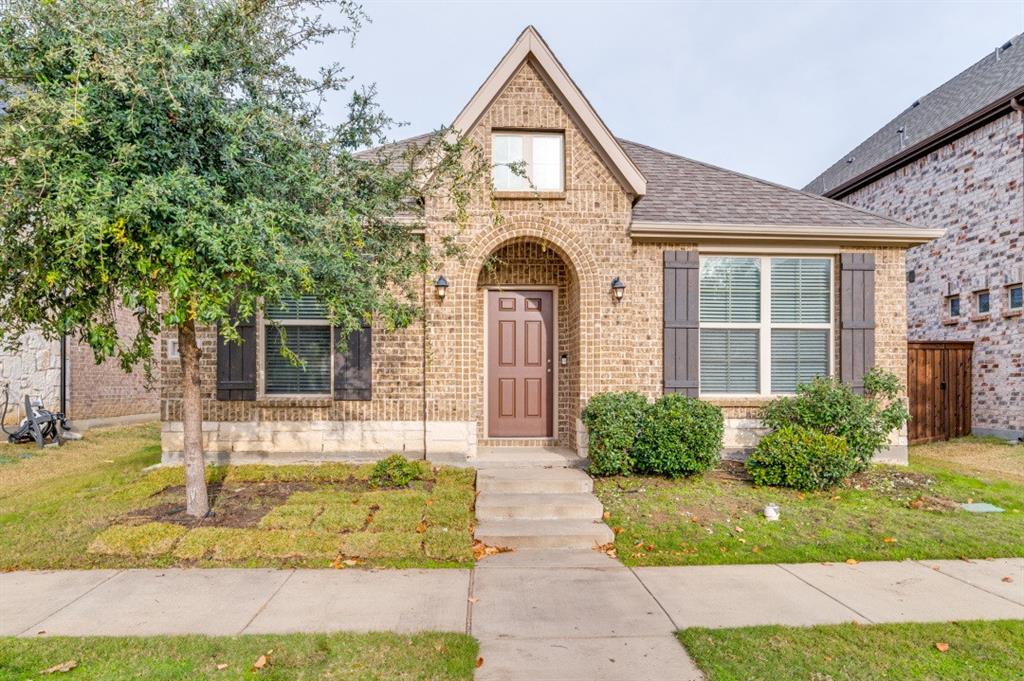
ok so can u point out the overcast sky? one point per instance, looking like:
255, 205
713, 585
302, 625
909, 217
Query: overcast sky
776, 90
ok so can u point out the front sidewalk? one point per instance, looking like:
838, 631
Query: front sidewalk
538, 614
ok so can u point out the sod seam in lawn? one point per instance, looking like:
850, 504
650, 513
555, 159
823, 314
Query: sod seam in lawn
972, 651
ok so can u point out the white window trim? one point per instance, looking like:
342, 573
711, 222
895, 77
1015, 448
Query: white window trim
766, 325
527, 137
977, 301
1009, 298
262, 351
949, 306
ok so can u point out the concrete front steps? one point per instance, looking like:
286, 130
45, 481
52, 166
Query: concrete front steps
539, 508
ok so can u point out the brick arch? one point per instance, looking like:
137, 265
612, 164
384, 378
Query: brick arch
570, 249
574, 311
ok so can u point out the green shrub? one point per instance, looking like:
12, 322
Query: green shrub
831, 407
612, 421
678, 436
801, 458
394, 471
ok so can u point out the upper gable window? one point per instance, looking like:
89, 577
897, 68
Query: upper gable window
540, 155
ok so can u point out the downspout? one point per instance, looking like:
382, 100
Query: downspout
423, 366
64, 375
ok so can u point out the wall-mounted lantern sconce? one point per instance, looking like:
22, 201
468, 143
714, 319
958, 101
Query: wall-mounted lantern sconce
618, 288
441, 286
564, 359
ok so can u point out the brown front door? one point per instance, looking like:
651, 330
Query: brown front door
519, 363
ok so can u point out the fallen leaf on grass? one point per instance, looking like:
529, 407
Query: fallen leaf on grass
606, 515
421, 527
756, 549
261, 662
221, 667
60, 668
889, 540
941, 647
852, 561
479, 662
430, 502
738, 529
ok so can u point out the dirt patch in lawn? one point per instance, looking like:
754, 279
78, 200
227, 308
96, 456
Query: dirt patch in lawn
891, 481
232, 504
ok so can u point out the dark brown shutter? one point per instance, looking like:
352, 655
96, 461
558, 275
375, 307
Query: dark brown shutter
857, 317
681, 359
236, 364
353, 364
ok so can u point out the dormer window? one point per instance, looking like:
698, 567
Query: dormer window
538, 155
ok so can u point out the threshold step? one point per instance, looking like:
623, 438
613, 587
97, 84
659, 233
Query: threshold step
578, 506
544, 534
533, 481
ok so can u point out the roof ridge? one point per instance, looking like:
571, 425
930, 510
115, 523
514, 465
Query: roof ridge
768, 183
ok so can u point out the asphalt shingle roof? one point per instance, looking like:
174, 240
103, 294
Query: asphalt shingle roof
683, 191
984, 83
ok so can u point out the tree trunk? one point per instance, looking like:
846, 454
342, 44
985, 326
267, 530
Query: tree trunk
196, 501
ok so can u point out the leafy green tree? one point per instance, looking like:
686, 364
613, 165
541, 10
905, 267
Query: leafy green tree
165, 157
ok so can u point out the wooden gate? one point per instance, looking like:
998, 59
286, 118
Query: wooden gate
939, 389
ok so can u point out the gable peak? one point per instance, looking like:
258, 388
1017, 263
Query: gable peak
531, 46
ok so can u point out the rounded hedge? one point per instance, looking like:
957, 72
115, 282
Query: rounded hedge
801, 458
679, 436
612, 421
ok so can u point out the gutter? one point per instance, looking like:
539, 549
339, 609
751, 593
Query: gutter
798, 234
995, 110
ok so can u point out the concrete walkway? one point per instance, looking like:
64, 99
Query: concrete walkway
561, 615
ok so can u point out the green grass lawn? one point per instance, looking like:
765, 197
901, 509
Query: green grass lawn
888, 513
335, 657
976, 650
89, 504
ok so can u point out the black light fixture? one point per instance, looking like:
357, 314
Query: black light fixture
618, 288
441, 286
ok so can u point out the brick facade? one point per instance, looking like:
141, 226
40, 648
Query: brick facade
429, 392
972, 188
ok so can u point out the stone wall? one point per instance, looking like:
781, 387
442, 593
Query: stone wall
971, 188
33, 370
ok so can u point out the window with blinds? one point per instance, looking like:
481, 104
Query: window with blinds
765, 323
303, 324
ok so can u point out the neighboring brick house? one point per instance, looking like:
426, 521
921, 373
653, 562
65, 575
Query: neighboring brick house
955, 160
736, 289
91, 391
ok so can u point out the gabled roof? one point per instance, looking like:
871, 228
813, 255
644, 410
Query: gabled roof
968, 100
530, 46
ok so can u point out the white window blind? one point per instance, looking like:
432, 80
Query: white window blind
729, 361
798, 355
800, 291
766, 323
730, 290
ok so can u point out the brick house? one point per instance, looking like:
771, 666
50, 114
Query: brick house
955, 160
735, 290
